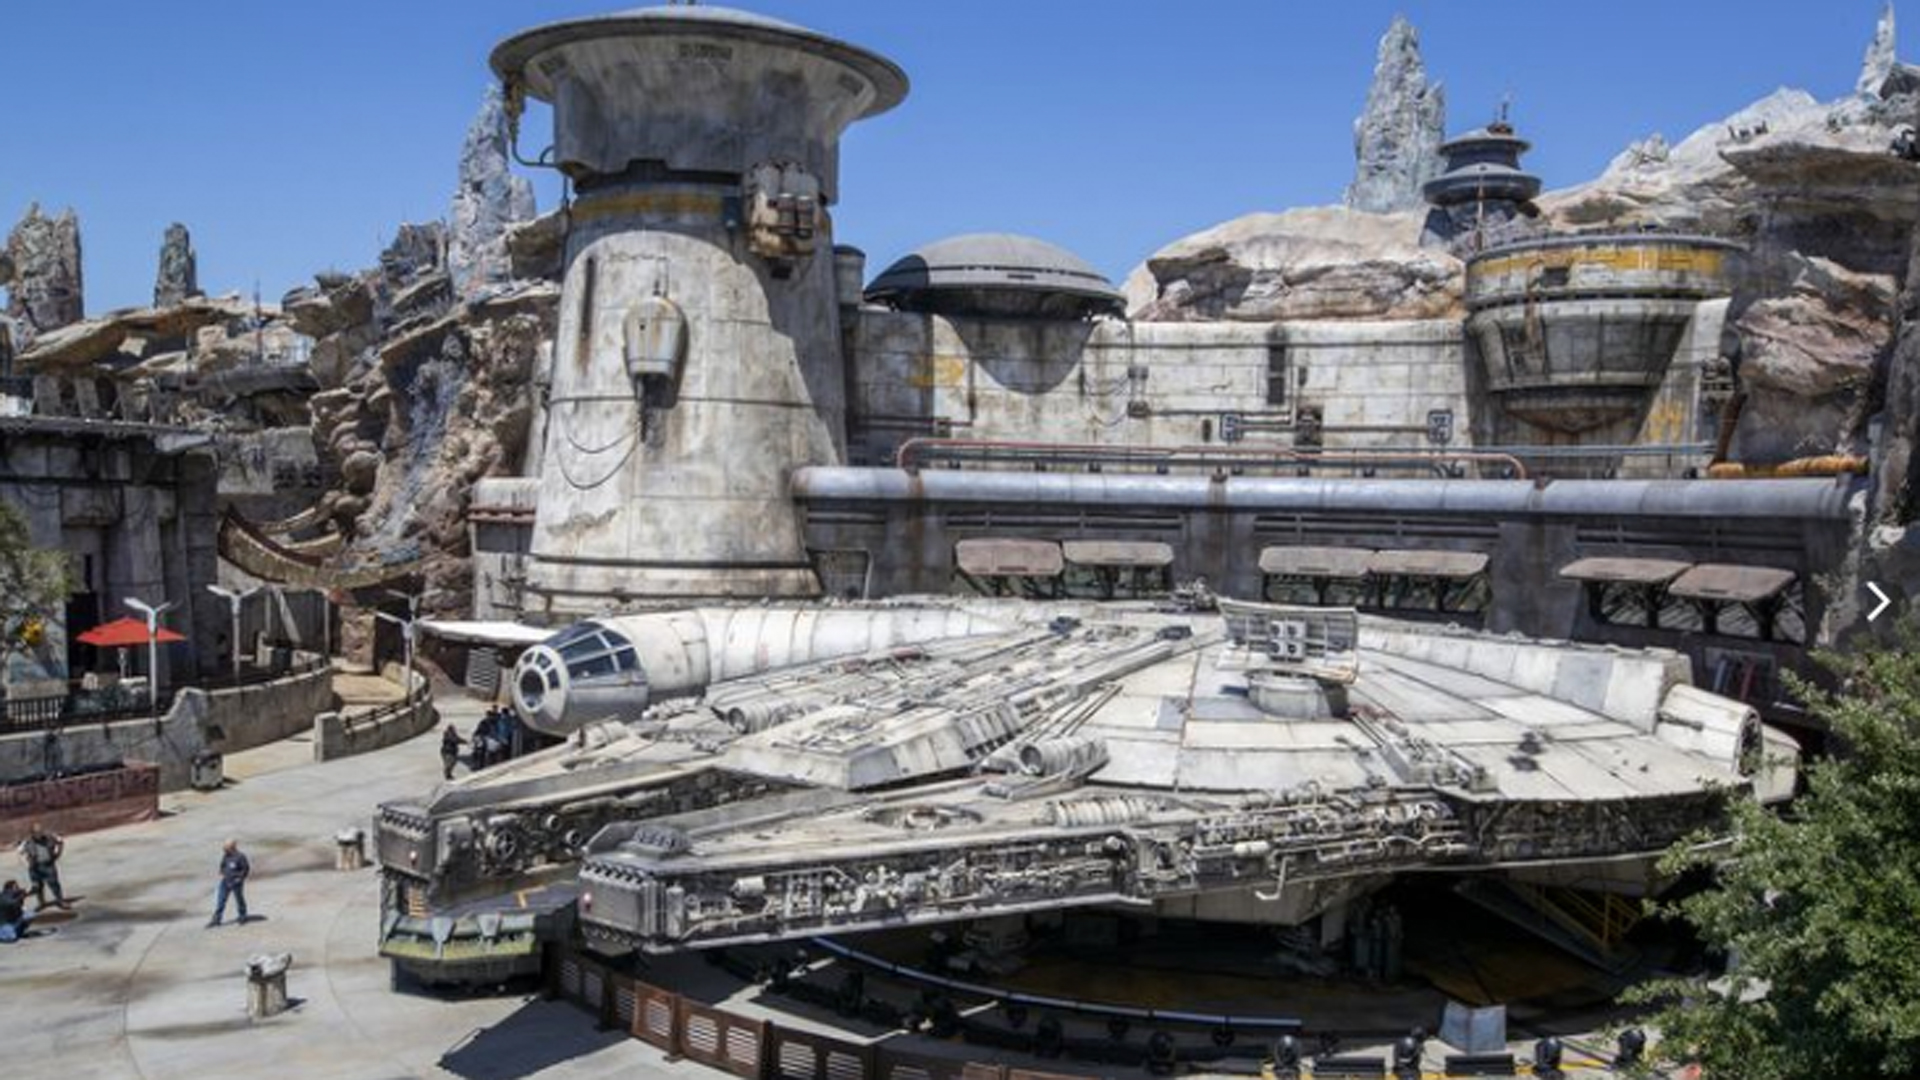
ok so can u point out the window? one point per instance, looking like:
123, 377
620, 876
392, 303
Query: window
1276, 374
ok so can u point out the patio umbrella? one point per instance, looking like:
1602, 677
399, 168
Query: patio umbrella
121, 633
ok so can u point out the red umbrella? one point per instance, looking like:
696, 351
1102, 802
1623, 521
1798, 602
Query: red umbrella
121, 633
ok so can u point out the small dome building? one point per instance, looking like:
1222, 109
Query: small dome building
996, 274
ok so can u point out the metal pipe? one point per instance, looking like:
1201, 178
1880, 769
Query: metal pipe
904, 457
1793, 499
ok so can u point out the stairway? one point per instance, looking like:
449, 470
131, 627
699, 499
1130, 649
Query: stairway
1592, 926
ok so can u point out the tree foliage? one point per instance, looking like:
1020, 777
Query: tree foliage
1818, 908
33, 584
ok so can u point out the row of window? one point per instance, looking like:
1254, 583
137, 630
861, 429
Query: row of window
1781, 617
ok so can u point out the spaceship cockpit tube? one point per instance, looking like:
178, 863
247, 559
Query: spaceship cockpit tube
613, 667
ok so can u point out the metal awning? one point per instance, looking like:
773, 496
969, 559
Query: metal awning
1124, 553
510, 634
1433, 564
1319, 562
1613, 570
1009, 558
1741, 584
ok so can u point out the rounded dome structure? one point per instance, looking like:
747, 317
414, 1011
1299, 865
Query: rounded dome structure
513, 58
996, 274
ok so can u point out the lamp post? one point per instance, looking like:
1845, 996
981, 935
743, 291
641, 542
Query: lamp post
234, 600
153, 649
406, 626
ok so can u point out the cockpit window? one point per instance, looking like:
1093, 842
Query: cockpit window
591, 667
583, 646
590, 650
572, 634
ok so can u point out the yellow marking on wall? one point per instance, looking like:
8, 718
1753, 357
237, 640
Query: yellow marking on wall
1666, 422
1674, 260
649, 202
933, 371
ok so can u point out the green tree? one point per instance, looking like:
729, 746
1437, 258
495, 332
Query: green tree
33, 588
1818, 907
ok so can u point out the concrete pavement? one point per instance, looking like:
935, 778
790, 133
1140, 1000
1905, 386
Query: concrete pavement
136, 986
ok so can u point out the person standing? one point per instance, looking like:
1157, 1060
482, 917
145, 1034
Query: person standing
234, 869
450, 744
42, 851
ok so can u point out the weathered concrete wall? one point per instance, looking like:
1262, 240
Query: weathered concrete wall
138, 522
1119, 383
221, 721
337, 735
1681, 412
677, 485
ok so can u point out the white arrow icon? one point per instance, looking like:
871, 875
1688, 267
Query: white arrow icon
1882, 605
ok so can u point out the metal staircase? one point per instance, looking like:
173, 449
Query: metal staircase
1590, 925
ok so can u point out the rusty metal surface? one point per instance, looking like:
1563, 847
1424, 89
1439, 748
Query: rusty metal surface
1009, 558
1118, 552
1722, 581
1436, 564
1613, 569
1327, 562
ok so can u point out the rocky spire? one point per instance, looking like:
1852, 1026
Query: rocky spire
1396, 141
45, 293
179, 278
488, 199
1879, 61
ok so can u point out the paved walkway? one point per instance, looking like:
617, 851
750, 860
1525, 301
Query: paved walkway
136, 986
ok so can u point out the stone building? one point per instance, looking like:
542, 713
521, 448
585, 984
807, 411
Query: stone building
134, 506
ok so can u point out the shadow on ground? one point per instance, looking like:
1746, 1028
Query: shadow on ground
538, 1035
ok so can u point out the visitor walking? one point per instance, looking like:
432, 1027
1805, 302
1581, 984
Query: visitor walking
234, 869
42, 851
450, 744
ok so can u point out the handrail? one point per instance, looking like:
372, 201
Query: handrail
906, 457
419, 696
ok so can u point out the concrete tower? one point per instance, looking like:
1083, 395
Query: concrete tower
698, 360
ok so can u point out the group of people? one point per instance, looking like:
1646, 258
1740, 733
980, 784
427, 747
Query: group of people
492, 742
42, 851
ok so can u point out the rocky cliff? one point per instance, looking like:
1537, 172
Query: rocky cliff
1825, 211
1396, 140
42, 274
178, 278
1316, 263
488, 200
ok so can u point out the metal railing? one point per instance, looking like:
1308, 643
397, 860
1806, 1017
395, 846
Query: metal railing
97, 707
419, 696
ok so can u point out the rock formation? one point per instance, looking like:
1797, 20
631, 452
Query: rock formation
45, 292
424, 394
1316, 263
488, 200
1896, 470
1396, 140
1879, 61
178, 278
1825, 212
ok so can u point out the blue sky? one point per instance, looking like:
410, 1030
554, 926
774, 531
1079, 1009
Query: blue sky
293, 137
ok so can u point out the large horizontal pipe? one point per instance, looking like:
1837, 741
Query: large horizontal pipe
1809, 499
907, 457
